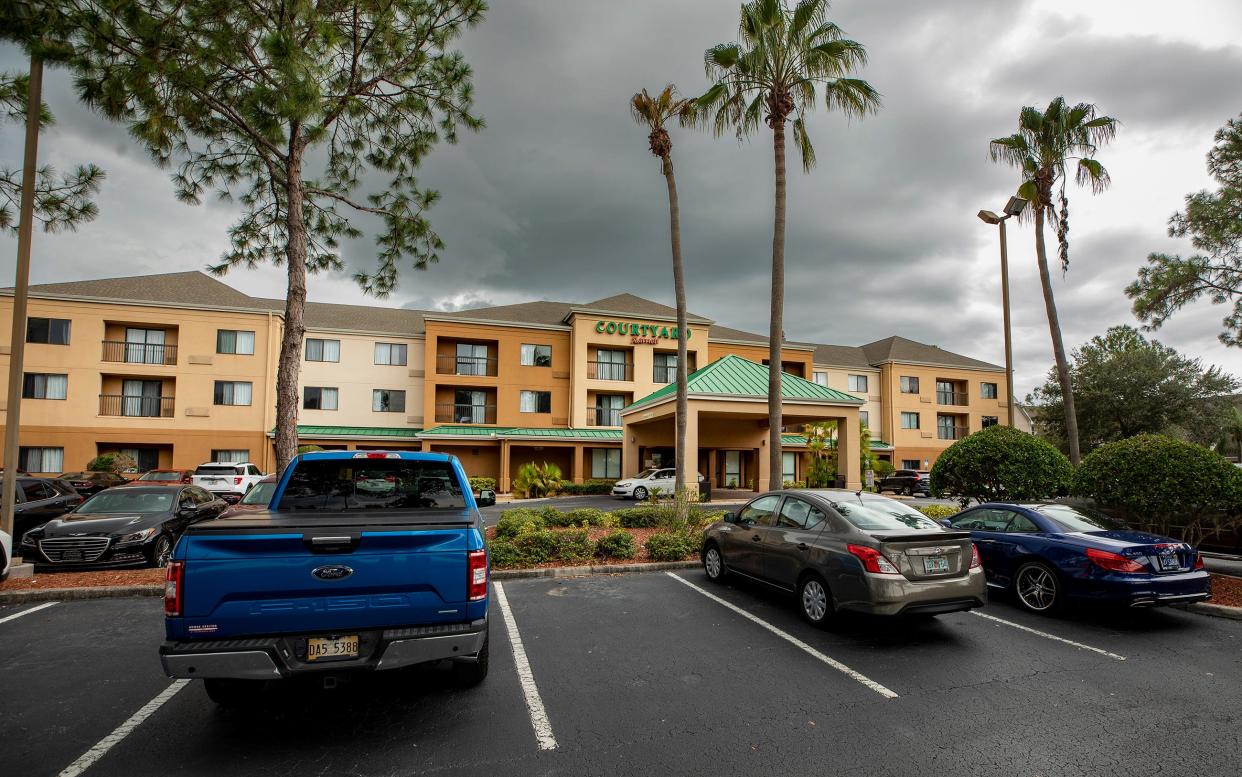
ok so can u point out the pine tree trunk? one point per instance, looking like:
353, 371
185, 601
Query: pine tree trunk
295, 305
776, 331
1058, 346
683, 467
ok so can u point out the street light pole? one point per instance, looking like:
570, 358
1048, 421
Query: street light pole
1012, 208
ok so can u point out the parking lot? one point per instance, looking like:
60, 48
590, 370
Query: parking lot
655, 673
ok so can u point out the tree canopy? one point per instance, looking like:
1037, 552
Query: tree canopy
1125, 384
1213, 222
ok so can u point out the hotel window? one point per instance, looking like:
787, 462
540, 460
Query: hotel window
536, 402
665, 368
470, 407
821, 378
472, 359
388, 401
319, 398
145, 459
610, 365
608, 409
235, 341
536, 355
789, 467
909, 385
52, 331
41, 459
909, 420
144, 346
990, 420
605, 463
989, 390
323, 350
40, 386
144, 399
910, 464
865, 418
230, 456
394, 354
233, 392
859, 383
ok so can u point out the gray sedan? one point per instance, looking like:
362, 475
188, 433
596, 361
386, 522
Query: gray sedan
838, 550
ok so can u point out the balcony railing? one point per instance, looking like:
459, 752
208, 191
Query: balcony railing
602, 416
139, 353
465, 365
668, 374
465, 414
611, 370
952, 432
952, 398
135, 407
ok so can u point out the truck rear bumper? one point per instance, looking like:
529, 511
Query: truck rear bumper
272, 658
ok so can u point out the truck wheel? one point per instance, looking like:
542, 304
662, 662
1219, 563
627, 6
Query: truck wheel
470, 674
232, 693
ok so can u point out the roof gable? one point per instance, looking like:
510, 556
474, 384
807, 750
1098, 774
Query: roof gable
176, 288
734, 376
900, 349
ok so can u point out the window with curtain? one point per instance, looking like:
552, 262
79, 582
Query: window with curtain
319, 398
235, 341
989, 390
230, 456
472, 359
469, 407
391, 353
789, 467
45, 386
858, 383
536, 402
605, 463
233, 392
909, 385
536, 355
388, 401
820, 378
610, 365
41, 459
51, 331
144, 346
909, 420
608, 409
865, 418
318, 350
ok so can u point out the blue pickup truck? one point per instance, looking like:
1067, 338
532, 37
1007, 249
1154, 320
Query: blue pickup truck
364, 561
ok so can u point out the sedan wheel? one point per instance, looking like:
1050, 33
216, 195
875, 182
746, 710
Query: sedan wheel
1037, 587
814, 600
161, 553
640, 494
713, 564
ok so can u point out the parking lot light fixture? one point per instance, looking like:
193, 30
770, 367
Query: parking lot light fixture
1014, 207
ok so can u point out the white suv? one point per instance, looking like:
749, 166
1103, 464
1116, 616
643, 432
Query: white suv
227, 478
646, 482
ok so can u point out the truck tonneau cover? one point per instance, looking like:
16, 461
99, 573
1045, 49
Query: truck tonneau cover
322, 519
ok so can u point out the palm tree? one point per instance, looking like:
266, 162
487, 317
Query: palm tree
1041, 148
782, 59
654, 112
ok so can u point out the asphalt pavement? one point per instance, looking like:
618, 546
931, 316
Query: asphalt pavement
655, 674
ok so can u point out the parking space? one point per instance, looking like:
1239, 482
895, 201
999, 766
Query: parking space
650, 674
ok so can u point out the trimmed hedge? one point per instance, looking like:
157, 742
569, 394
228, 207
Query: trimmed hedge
574, 546
938, 512
1001, 464
616, 544
672, 546
513, 523
478, 484
589, 487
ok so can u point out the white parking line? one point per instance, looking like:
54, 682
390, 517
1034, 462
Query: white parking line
1046, 635
107, 743
17, 615
832, 662
534, 703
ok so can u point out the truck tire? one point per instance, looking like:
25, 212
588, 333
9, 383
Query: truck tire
467, 674
231, 693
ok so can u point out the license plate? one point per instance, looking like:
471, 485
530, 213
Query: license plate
1169, 561
935, 564
323, 648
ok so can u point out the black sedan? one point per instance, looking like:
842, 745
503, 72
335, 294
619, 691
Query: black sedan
87, 483
121, 527
39, 500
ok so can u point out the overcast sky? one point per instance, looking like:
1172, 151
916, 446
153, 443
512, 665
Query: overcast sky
558, 198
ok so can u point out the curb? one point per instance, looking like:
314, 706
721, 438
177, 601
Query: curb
85, 592
601, 569
1215, 610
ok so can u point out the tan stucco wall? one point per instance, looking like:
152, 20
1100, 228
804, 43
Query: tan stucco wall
356, 377
759, 354
923, 443
838, 378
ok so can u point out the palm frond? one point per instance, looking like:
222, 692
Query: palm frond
1090, 171
803, 141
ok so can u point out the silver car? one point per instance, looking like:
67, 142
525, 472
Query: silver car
840, 550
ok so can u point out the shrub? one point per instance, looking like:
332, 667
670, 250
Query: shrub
1159, 484
938, 512
882, 468
505, 554
590, 487
591, 516
1001, 464
518, 521
112, 462
478, 484
574, 545
793, 484
643, 517
309, 448
537, 546
537, 480
616, 544
670, 546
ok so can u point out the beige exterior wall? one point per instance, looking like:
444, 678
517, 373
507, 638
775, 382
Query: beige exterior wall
796, 360
838, 378
924, 444
357, 376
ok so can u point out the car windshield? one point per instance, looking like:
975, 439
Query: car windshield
645, 474
1078, 518
126, 500
161, 476
907, 515
372, 484
261, 494
871, 517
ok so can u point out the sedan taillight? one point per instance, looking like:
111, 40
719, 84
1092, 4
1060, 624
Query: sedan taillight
873, 560
1113, 562
1198, 561
173, 588
476, 575
975, 561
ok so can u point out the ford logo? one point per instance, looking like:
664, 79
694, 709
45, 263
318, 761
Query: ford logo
332, 572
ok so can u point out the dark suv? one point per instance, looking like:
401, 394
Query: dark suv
907, 481
39, 500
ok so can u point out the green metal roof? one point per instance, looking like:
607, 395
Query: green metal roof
734, 376
462, 431
356, 431
800, 439
498, 432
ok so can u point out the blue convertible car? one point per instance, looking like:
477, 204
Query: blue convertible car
1049, 553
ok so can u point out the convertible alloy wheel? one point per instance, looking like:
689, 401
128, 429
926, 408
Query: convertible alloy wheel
161, 554
713, 564
814, 600
1037, 587
640, 494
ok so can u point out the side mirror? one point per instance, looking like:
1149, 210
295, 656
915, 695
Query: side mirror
487, 498
730, 518
946, 523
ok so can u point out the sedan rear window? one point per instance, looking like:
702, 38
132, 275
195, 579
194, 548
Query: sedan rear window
1078, 519
873, 518
161, 476
129, 500
372, 484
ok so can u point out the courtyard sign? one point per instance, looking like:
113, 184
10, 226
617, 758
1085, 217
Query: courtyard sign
648, 334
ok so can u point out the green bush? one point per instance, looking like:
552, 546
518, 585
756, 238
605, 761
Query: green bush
591, 516
478, 484
671, 546
882, 468
793, 484
537, 480
1163, 485
1001, 464
938, 512
537, 546
112, 462
573, 545
504, 554
309, 448
590, 487
642, 517
616, 544
518, 521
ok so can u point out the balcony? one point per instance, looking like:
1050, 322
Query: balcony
602, 416
135, 406
466, 365
952, 432
465, 414
958, 398
138, 353
622, 371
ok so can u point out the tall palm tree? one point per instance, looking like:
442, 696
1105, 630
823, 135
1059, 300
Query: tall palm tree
1045, 143
782, 59
654, 113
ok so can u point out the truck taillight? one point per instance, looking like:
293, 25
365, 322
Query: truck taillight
173, 588
237, 480
476, 575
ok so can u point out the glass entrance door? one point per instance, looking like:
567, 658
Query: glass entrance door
732, 469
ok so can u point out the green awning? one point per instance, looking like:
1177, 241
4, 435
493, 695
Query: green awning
733, 376
800, 439
523, 432
392, 432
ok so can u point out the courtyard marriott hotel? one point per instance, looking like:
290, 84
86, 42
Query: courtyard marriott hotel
179, 369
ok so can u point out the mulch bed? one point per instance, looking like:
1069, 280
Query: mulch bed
114, 577
1226, 591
